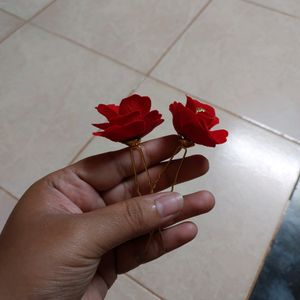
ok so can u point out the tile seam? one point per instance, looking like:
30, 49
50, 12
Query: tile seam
266, 252
12, 15
187, 27
85, 145
144, 287
269, 247
8, 193
271, 9
25, 21
70, 40
12, 32
40, 11
241, 117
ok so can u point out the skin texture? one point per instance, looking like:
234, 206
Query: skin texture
76, 229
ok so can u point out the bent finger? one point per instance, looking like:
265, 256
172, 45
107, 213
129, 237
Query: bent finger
147, 248
192, 167
104, 171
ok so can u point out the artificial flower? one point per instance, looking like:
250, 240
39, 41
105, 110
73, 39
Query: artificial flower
131, 120
194, 122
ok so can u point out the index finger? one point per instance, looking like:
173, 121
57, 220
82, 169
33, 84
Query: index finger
104, 171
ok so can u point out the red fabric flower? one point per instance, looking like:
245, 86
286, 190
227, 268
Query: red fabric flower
194, 121
130, 120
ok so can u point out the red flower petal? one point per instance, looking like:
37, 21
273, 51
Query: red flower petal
152, 119
119, 133
195, 125
197, 134
135, 103
219, 136
183, 116
108, 110
131, 120
177, 110
123, 119
176, 120
102, 125
213, 122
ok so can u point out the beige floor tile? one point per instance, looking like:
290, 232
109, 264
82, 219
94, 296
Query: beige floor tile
7, 203
252, 177
126, 289
287, 6
23, 8
8, 24
49, 88
136, 32
244, 58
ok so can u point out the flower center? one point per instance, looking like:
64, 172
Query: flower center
185, 143
200, 110
132, 143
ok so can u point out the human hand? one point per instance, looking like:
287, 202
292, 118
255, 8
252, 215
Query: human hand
74, 230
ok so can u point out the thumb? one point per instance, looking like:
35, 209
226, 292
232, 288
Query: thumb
108, 227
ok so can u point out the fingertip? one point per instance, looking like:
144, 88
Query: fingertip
192, 229
203, 162
202, 201
209, 199
188, 231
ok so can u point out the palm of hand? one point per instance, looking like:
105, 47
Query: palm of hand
70, 264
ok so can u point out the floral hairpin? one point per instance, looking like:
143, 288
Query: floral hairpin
130, 121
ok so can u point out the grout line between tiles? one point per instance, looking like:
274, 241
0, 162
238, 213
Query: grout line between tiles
297, 183
40, 11
269, 248
81, 150
179, 36
114, 59
144, 287
266, 252
244, 118
271, 9
269, 129
88, 48
12, 15
8, 193
12, 32
23, 20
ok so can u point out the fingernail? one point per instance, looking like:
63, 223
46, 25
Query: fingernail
169, 204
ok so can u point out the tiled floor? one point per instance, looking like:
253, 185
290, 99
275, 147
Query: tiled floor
247, 62
8, 24
291, 7
136, 34
280, 277
241, 55
24, 8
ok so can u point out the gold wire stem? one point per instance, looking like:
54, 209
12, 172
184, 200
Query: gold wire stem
166, 166
137, 185
162, 240
146, 168
150, 240
178, 170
